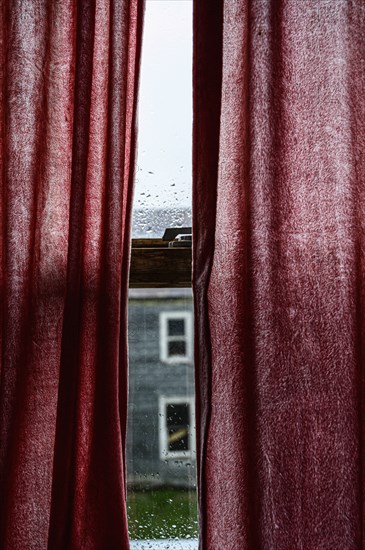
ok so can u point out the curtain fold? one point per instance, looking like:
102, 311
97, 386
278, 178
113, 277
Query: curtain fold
69, 77
279, 272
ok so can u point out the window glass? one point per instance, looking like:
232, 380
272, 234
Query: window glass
176, 327
161, 456
177, 348
164, 166
178, 426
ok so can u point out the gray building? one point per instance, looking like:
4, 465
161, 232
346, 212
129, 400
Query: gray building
161, 422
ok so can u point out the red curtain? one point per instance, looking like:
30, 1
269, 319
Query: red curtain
279, 272
67, 110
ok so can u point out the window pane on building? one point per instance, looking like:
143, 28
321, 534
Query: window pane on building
178, 438
177, 347
176, 327
177, 415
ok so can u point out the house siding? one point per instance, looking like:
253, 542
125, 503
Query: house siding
150, 378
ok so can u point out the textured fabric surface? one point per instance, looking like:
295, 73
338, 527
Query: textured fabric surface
279, 272
67, 109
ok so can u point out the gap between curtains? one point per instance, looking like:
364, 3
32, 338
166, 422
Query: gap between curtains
69, 76
279, 272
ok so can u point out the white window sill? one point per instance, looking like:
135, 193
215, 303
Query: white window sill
165, 544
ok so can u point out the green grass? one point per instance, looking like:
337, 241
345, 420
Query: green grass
162, 513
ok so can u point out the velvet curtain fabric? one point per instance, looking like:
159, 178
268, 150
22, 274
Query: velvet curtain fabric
69, 75
279, 272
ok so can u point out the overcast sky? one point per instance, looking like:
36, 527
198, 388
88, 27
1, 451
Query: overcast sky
163, 175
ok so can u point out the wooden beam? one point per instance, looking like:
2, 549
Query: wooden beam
153, 265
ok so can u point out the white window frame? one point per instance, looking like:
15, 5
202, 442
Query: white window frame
165, 338
165, 453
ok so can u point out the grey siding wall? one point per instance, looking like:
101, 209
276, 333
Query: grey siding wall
150, 378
